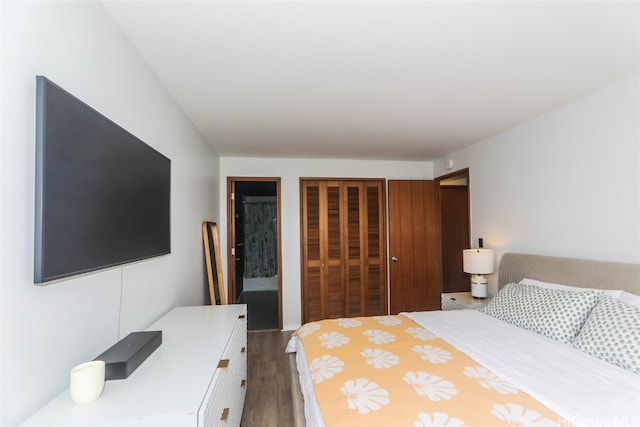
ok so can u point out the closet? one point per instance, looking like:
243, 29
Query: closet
343, 248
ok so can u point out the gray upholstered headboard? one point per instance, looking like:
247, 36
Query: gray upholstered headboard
569, 271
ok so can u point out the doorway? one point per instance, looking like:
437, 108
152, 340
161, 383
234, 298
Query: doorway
254, 261
453, 194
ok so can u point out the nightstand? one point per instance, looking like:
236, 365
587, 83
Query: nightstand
462, 300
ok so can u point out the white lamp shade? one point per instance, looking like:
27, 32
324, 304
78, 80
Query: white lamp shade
477, 261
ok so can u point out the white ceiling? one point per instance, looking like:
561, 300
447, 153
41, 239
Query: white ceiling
406, 80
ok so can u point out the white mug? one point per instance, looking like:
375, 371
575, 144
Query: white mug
86, 381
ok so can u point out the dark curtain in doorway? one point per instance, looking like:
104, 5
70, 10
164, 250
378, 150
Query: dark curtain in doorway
260, 239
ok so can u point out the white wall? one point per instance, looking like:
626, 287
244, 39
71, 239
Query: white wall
47, 330
566, 183
290, 171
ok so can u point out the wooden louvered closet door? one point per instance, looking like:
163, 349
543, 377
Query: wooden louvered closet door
343, 248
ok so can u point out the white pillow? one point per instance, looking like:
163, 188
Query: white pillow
615, 293
612, 333
630, 299
555, 313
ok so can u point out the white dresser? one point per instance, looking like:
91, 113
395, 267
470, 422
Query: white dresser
197, 377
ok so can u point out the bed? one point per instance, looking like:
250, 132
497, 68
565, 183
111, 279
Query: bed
558, 345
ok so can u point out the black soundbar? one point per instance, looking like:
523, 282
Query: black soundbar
126, 355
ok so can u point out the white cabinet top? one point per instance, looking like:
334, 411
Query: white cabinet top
461, 300
172, 381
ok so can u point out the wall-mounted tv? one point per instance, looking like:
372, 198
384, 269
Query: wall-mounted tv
102, 195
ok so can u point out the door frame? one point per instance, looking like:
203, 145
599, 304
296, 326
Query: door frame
461, 173
231, 236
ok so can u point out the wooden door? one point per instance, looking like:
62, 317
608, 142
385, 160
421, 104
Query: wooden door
322, 270
414, 248
343, 248
365, 255
454, 217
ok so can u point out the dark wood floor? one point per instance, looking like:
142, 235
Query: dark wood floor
262, 309
268, 399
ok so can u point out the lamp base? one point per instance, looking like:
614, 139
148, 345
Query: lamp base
479, 290
478, 286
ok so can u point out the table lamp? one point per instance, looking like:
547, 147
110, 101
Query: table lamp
478, 262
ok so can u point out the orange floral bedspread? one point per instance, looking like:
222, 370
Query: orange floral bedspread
390, 371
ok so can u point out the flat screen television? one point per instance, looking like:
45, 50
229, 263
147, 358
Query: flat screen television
102, 195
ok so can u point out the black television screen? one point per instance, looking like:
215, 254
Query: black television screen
102, 195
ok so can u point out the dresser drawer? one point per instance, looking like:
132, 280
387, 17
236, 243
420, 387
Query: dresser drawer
236, 350
224, 401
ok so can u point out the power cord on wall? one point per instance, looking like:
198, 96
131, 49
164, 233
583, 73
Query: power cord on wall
121, 298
